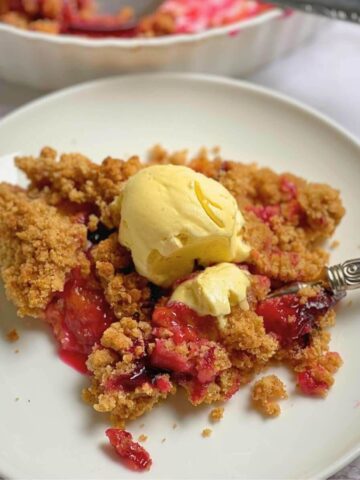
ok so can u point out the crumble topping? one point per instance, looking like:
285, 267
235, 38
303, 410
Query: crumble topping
35, 255
76, 179
265, 395
113, 363
207, 432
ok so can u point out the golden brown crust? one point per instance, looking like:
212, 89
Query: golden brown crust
14, 19
35, 255
51, 27
110, 257
75, 178
245, 339
284, 247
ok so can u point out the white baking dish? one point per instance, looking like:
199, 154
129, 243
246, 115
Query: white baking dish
50, 62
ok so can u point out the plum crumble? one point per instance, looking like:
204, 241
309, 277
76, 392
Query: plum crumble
61, 261
82, 17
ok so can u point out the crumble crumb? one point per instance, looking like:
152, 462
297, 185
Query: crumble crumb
265, 394
163, 440
216, 414
206, 432
142, 425
142, 438
12, 335
308, 292
216, 150
174, 426
349, 303
17, 399
16, 351
334, 244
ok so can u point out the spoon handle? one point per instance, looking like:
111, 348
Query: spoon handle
336, 9
344, 276
338, 278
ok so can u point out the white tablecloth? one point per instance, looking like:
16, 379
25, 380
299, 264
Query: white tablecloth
324, 73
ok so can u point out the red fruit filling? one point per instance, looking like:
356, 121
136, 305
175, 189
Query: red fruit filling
184, 323
97, 26
288, 319
80, 314
133, 455
179, 319
205, 366
167, 359
75, 360
287, 186
78, 212
265, 213
197, 390
309, 385
163, 384
140, 375
188, 355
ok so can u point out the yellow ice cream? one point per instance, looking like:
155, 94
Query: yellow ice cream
215, 290
172, 216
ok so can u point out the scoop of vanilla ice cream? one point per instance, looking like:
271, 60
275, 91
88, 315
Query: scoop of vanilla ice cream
215, 290
172, 216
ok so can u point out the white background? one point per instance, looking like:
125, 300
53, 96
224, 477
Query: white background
324, 73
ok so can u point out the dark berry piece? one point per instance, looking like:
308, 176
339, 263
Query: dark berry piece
101, 233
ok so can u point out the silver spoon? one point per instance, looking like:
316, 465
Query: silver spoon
140, 7
338, 278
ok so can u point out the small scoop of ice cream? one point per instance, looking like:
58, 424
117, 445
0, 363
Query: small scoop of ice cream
172, 216
215, 290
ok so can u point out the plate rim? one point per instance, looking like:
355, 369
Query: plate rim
285, 99
342, 460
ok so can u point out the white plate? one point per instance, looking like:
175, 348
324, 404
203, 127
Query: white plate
56, 61
48, 433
